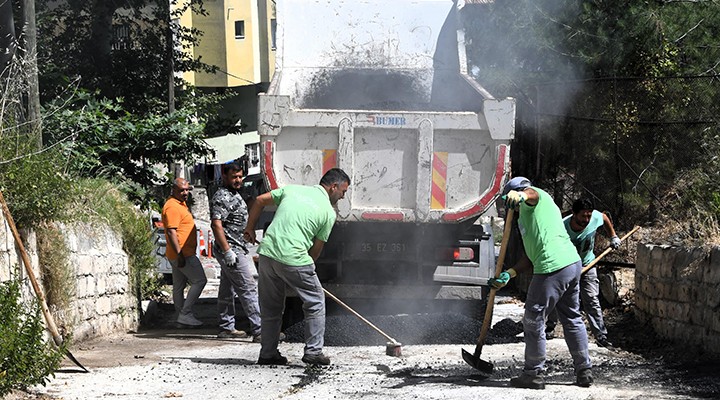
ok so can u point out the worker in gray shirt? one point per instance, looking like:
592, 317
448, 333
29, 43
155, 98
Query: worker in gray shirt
229, 215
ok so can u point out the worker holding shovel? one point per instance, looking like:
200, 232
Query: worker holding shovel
555, 284
581, 226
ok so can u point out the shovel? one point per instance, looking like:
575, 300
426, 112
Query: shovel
485, 367
50, 322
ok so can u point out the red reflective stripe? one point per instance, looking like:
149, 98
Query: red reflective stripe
269, 172
329, 160
439, 181
383, 216
487, 198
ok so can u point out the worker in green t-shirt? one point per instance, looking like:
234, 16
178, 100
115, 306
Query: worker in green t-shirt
302, 224
555, 284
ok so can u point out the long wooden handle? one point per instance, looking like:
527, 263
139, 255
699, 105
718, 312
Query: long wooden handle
498, 269
28, 267
347, 307
607, 251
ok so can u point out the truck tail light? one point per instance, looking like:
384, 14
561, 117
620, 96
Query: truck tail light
455, 253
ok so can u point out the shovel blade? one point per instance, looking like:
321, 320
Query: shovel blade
474, 361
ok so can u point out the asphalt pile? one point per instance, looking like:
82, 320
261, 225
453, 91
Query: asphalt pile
408, 329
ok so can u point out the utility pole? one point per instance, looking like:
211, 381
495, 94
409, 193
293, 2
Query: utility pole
30, 35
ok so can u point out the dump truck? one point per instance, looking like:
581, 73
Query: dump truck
380, 89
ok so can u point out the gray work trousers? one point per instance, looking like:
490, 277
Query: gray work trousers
274, 276
590, 300
192, 272
558, 290
238, 279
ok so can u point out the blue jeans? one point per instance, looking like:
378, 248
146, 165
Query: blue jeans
238, 279
555, 291
274, 277
192, 272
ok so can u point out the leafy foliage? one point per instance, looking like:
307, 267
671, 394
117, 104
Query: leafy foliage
132, 45
26, 359
105, 202
608, 104
99, 138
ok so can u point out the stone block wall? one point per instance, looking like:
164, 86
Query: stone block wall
678, 291
102, 301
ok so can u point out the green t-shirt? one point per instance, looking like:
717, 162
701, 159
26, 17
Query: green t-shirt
584, 241
304, 213
546, 242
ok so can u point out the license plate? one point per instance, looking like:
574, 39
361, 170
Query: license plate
379, 250
382, 247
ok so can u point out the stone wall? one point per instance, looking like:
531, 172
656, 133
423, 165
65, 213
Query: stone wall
678, 291
102, 300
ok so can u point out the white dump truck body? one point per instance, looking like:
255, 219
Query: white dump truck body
379, 89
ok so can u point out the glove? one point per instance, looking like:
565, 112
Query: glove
502, 279
229, 257
514, 198
615, 242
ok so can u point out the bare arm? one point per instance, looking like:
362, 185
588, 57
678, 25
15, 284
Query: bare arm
609, 229
175, 243
523, 265
219, 234
316, 249
260, 202
532, 196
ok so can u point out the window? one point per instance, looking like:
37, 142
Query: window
252, 150
121, 37
239, 29
273, 29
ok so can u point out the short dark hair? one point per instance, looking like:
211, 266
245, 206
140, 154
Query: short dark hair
231, 167
334, 175
584, 203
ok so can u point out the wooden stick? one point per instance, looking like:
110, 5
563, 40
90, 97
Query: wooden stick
50, 321
355, 313
607, 251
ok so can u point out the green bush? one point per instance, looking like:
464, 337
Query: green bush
103, 201
26, 358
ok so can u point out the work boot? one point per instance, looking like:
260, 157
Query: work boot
189, 320
277, 360
233, 334
316, 359
527, 381
584, 377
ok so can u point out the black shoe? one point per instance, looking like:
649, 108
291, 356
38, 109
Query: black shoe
316, 359
277, 360
526, 381
549, 335
604, 342
584, 377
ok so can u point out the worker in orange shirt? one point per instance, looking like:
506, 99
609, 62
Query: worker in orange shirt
181, 237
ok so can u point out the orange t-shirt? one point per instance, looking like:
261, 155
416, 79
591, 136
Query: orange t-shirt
175, 214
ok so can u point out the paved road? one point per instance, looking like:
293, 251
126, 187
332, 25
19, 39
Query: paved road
193, 364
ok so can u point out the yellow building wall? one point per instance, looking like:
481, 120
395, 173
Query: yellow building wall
241, 61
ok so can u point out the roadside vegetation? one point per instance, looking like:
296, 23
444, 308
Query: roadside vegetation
617, 101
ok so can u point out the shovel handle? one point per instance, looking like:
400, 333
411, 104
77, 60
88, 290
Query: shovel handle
607, 251
498, 269
28, 267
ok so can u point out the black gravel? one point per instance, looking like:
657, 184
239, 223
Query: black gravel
446, 328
